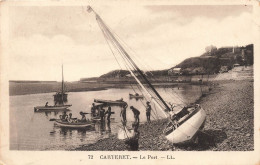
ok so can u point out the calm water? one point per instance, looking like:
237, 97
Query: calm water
31, 130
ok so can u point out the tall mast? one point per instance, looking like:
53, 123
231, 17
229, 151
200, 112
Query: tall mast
62, 85
130, 59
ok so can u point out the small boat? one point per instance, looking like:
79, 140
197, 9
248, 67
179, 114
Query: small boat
55, 107
110, 102
136, 96
59, 99
78, 125
61, 96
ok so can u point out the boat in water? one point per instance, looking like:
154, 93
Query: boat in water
136, 96
49, 108
110, 102
183, 125
59, 104
62, 96
77, 125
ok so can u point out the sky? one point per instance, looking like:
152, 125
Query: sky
157, 37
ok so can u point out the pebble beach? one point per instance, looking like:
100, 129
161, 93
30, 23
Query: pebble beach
229, 126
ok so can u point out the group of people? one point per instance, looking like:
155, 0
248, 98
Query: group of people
133, 141
68, 118
136, 112
101, 112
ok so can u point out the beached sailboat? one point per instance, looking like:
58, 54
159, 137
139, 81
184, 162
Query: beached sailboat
184, 125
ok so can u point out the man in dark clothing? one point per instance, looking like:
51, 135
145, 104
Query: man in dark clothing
123, 112
108, 112
93, 110
64, 116
148, 111
102, 114
136, 114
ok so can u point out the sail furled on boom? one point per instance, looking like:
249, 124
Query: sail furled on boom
130, 64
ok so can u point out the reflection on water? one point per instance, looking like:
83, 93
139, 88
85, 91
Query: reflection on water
31, 130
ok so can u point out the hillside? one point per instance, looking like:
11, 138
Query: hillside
212, 61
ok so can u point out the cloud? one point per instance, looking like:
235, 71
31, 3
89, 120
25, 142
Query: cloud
174, 42
40, 57
157, 40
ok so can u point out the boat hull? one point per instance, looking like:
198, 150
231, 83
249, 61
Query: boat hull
134, 96
110, 102
42, 108
188, 130
72, 125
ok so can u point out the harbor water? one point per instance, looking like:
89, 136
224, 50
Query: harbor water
34, 131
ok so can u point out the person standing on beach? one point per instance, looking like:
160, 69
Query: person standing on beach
93, 110
102, 114
148, 111
123, 112
136, 114
108, 112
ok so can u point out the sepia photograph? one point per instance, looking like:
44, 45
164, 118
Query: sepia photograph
129, 77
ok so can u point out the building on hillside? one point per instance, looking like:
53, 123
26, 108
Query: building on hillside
128, 75
174, 71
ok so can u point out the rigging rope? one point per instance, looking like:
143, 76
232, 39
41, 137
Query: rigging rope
107, 37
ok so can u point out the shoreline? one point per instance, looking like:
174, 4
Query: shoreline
17, 89
229, 125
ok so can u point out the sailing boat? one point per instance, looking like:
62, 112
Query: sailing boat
59, 97
184, 125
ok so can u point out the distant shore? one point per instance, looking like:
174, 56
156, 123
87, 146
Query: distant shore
24, 88
229, 106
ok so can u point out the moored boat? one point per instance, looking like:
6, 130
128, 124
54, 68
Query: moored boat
55, 107
110, 102
77, 125
136, 96
61, 96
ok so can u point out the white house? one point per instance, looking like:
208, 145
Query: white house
174, 71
